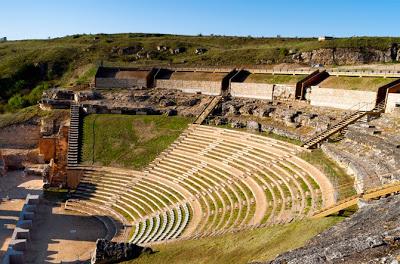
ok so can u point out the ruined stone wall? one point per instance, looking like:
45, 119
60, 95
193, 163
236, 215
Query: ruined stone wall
120, 83
203, 87
392, 100
284, 92
263, 91
341, 99
47, 148
252, 90
19, 136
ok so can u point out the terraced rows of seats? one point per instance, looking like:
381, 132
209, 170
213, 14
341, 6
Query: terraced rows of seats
208, 182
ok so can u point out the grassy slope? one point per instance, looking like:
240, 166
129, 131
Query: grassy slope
342, 182
84, 49
127, 140
355, 83
198, 76
72, 60
27, 114
274, 79
259, 244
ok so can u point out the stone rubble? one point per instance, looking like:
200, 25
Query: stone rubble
370, 152
371, 235
107, 252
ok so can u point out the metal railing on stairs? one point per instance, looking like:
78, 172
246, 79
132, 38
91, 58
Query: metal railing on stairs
362, 109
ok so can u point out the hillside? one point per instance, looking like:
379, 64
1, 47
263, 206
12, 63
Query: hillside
254, 245
28, 67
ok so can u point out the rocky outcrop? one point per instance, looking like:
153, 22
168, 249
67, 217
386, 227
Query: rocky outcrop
372, 235
290, 119
346, 56
108, 252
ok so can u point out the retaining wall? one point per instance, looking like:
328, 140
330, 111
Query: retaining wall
19, 136
252, 90
119, 83
284, 92
341, 99
203, 87
263, 91
392, 100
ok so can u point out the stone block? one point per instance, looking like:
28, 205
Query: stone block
26, 215
29, 208
13, 256
25, 224
19, 244
20, 233
32, 199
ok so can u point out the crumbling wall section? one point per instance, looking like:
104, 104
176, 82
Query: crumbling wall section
22, 136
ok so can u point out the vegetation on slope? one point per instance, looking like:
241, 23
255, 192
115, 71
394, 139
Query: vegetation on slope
27, 114
72, 60
274, 79
342, 182
130, 141
355, 83
242, 247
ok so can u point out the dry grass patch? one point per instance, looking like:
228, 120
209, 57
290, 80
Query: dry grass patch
198, 76
243, 247
355, 83
274, 79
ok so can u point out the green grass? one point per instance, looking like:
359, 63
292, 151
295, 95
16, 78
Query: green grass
355, 83
56, 194
127, 140
342, 182
73, 59
274, 79
260, 244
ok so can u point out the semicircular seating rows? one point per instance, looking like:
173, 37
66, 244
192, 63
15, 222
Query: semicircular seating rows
210, 181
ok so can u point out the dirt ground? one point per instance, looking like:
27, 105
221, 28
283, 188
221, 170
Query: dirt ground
57, 236
60, 236
14, 187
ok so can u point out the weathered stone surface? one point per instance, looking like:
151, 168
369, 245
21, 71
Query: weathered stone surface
373, 158
372, 235
107, 252
253, 125
345, 56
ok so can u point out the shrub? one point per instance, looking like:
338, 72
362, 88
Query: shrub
17, 102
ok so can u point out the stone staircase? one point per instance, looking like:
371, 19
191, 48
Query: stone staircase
342, 124
73, 137
210, 107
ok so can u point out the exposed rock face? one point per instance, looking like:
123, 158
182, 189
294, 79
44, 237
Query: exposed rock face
112, 252
346, 56
372, 235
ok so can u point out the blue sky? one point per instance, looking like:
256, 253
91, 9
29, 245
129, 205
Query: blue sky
21, 19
